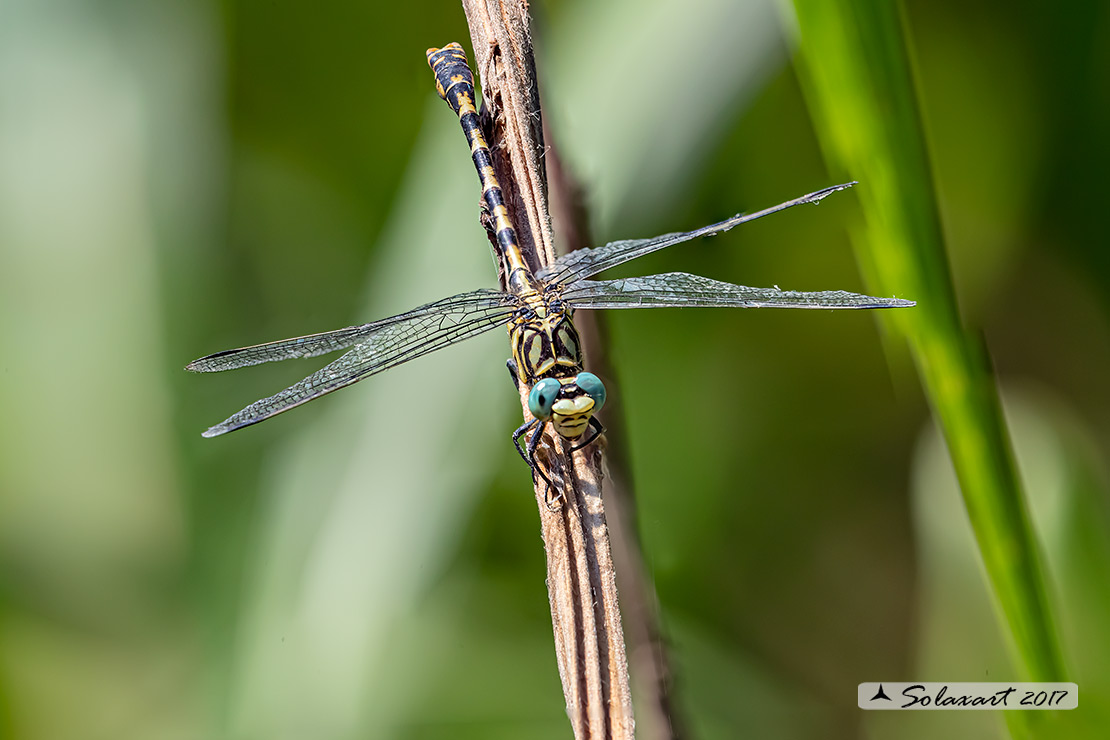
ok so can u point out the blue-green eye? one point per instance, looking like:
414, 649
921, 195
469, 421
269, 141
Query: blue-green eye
542, 397
592, 386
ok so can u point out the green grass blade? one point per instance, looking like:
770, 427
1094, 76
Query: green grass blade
860, 88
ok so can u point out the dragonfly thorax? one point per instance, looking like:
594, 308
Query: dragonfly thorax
544, 341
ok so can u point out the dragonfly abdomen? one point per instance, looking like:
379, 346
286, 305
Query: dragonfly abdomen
455, 84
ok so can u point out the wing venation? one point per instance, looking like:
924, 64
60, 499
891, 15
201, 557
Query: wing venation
391, 342
680, 289
582, 263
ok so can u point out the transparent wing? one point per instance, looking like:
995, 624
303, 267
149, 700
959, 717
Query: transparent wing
312, 345
677, 289
583, 263
377, 347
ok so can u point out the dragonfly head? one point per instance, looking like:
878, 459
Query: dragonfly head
568, 403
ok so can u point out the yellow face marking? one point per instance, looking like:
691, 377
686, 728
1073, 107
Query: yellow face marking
572, 406
571, 416
568, 431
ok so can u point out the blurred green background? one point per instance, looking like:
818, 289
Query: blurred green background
182, 177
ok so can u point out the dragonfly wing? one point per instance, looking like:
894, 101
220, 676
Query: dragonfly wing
390, 343
583, 263
312, 345
678, 289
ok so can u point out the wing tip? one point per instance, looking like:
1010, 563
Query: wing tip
231, 425
820, 195
891, 302
205, 364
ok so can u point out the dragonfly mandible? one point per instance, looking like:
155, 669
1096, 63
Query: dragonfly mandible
537, 308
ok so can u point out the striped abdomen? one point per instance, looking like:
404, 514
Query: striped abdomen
455, 84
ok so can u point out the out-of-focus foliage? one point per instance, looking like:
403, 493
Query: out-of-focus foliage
182, 177
859, 83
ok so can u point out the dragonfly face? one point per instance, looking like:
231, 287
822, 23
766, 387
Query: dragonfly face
568, 403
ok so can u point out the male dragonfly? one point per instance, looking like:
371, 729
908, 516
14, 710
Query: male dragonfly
536, 307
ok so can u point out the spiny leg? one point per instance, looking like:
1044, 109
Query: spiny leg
529, 455
520, 432
533, 444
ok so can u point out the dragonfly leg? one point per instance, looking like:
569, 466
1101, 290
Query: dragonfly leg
597, 430
520, 432
529, 454
533, 444
513, 373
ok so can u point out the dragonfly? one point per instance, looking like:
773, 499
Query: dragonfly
537, 308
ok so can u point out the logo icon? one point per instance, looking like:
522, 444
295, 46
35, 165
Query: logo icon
880, 694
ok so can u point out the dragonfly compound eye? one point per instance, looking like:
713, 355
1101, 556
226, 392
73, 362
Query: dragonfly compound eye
542, 398
592, 386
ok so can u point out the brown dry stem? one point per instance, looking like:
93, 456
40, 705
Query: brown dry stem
650, 668
581, 580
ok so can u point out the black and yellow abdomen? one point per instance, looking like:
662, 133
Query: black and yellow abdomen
455, 84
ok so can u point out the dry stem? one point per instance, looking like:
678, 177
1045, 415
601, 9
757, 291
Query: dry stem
651, 673
581, 581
